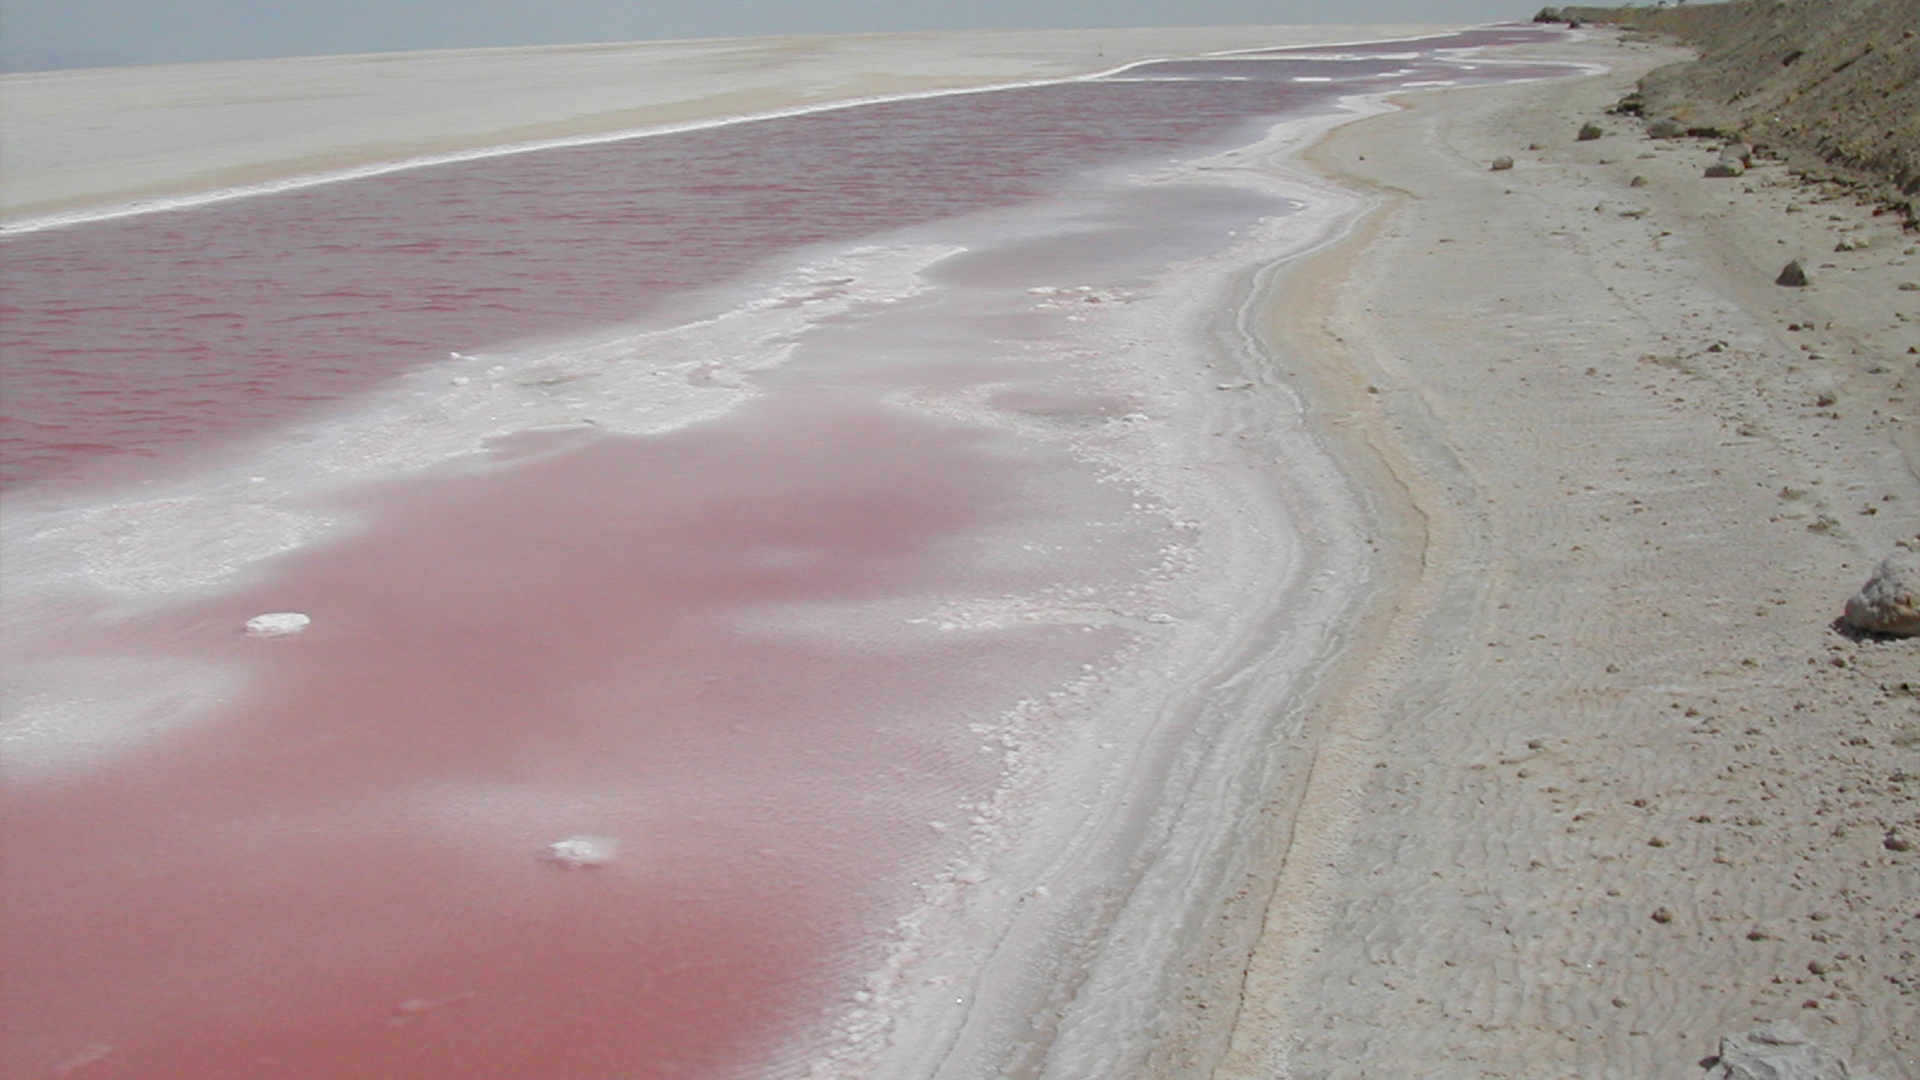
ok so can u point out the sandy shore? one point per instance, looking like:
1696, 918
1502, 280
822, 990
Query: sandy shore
82, 140
1600, 783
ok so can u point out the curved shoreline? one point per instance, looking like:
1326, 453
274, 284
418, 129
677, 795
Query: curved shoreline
1231, 648
1575, 797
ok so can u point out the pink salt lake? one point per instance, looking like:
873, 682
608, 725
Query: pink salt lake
767, 654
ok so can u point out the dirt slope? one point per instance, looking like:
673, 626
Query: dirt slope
1820, 81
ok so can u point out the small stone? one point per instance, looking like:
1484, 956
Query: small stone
1777, 1051
1896, 842
1909, 286
277, 624
1502, 163
1590, 131
1792, 275
1666, 128
1853, 243
1818, 967
1638, 181
1662, 915
1726, 167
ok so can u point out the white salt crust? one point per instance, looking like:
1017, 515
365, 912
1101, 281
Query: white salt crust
277, 624
582, 852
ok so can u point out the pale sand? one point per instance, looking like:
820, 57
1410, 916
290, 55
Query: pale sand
72, 140
1622, 502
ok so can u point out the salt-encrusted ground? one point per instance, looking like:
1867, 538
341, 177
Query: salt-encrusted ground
1602, 782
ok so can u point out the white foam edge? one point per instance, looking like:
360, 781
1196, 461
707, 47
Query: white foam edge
959, 984
1012, 899
115, 556
66, 716
203, 530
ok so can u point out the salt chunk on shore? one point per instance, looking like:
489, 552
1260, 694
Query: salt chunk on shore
582, 852
277, 624
1889, 603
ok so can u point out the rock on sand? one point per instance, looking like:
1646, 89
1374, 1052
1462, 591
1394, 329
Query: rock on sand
1889, 603
1777, 1051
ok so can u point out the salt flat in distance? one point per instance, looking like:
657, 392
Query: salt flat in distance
71, 140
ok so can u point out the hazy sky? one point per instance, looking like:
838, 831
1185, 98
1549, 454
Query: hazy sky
92, 31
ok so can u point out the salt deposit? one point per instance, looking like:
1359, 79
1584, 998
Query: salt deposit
278, 624
582, 852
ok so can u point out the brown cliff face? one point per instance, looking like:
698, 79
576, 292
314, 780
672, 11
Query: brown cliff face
1820, 81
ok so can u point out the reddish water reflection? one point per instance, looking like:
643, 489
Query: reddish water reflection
710, 647
342, 868
142, 337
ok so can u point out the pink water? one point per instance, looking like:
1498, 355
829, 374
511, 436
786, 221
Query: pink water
143, 337
763, 655
501, 662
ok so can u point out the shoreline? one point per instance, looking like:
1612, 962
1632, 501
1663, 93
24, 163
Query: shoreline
1586, 803
1232, 649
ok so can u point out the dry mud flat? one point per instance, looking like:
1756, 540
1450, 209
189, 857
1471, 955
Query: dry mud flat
1604, 783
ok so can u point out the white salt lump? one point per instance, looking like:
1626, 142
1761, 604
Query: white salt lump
277, 624
1889, 603
582, 852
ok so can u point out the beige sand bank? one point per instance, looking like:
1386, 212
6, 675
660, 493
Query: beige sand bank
79, 139
1600, 783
